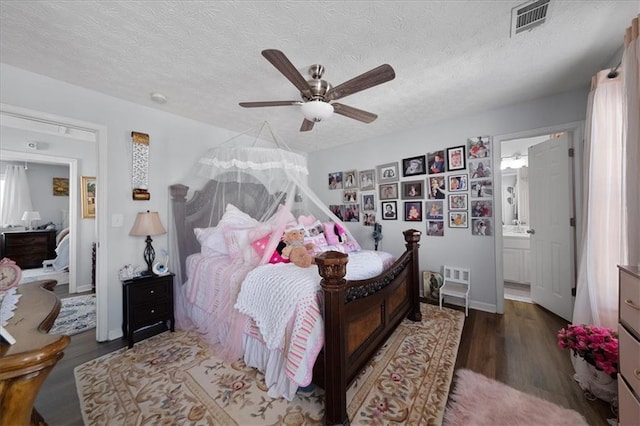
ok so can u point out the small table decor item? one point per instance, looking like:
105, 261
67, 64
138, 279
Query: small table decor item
597, 366
140, 174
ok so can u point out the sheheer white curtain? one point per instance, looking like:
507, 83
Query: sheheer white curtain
611, 232
16, 197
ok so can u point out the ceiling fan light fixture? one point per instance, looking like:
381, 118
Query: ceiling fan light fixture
317, 110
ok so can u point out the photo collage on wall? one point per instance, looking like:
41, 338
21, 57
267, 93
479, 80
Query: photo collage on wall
452, 185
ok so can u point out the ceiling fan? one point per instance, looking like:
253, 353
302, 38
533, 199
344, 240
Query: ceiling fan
318, 95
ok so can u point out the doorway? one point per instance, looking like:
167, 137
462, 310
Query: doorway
54, 125
501, 142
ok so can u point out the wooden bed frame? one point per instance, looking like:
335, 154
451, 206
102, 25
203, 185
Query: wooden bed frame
358, 315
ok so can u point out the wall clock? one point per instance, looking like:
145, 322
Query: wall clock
10, 274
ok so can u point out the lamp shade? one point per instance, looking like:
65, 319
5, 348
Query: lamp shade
316, 110
147, 223
31, 215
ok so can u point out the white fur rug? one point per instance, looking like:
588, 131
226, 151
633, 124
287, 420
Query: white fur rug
478, 400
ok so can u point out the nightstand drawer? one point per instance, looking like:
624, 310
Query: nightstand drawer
628, 406
630, 301
147, 292
629, 358
148, 314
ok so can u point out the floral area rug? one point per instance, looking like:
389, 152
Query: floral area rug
479, 400
77, 314
172, 378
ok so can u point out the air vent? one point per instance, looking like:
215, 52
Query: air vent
528, 16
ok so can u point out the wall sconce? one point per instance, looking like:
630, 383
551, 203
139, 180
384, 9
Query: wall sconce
30, 216
148, 224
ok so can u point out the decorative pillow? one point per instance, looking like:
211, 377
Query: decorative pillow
330, 233
237, 242
334, 240
306, 220
261, 245
318, 241
313, 229
211, 241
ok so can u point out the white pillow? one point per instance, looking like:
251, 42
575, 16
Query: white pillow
212, 240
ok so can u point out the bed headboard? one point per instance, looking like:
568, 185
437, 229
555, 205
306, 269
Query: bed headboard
206, 207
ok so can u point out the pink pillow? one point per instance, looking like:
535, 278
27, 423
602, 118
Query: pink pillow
330, 234
261, 245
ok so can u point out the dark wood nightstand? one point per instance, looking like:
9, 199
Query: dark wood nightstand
147, 305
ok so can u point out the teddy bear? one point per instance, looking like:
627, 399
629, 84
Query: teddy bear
295, 249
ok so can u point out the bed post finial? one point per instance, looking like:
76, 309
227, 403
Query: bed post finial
332, 266
412, 237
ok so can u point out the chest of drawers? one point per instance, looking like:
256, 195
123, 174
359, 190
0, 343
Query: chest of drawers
29, 248
147, 302
629, 346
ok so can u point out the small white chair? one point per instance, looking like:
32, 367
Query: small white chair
457, 282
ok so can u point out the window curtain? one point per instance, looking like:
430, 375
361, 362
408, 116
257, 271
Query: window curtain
610, 230
16, 197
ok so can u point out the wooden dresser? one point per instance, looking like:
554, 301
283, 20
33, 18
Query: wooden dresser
28, 248
629, 346
25, 365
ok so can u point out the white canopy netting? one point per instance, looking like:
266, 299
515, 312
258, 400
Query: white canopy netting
267, 181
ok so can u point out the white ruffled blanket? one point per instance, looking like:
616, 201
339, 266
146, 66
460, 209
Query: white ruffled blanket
272, 293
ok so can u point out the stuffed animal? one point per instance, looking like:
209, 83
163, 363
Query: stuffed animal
296, 250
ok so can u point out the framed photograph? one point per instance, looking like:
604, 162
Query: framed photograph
458, 183
436, 162
480, 168
351, 213
60, 186
456, 158
458, 220
479, 147
412, 190
458, 202
435, 210
414, 166
389, 210
335, 180
388, 172
367, 180
88, 197
388, 191
435, 228
369, 219
369, 202
413, 211
437, 187
481, 188
350, 179
350, 196
481, 227
481, 208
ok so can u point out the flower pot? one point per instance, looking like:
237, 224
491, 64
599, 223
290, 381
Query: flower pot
594, 382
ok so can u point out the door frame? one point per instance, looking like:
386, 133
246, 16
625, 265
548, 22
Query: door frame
100, 229
576, 129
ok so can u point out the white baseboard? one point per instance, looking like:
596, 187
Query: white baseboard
83, 288
478, 306
115, 334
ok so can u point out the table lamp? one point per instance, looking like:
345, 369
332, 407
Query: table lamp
148, 224
30, 216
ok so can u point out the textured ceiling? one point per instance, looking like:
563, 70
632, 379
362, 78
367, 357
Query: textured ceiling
450, 57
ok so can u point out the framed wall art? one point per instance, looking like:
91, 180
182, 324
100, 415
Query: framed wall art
436, 162
413, 211
140, 174
412, 190
367, 180
458, 183
481, 208
369, 202
388, 191
479, 147
482, 188
335, 180
480, 168
434, 210
437, 187
388, 172
88, 197
389, 210
60, 186
456, 158
414, 166
350, 179
481, 227
435, 228
458, 202
350, 196
458, 220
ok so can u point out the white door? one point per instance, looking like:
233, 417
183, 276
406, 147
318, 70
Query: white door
550, 196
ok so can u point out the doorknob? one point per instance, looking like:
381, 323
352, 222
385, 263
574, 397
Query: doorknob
531, 231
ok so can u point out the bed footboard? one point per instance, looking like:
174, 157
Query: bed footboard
358, 317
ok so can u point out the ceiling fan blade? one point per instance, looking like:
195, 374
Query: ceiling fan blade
306, 125
371, 78
282, 64
355, 113
268, 104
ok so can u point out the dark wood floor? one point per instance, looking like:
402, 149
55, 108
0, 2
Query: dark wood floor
517, 348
